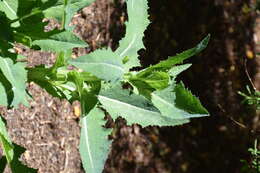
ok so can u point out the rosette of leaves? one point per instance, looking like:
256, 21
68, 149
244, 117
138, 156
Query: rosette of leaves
154, 98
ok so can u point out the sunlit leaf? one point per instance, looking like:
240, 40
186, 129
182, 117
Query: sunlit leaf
94, 144
60, 42
104, 64
134, 108
135, 27
17, 76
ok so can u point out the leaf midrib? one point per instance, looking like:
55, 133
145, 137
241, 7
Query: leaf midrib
97, 63
87, 142
127, 104
9, 8
129, 46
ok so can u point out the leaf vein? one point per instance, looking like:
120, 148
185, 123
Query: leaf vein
87, 143
9, 8
129, 46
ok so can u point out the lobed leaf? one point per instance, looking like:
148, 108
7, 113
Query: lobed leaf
135, 27
94, 144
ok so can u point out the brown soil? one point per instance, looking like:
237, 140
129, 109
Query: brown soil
49, 128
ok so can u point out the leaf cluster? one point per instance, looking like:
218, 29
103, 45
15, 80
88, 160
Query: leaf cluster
153, 97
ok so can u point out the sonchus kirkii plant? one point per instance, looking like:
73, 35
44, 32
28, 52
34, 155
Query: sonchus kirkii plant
154, 98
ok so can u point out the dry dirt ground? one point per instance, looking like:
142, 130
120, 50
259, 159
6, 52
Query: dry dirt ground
49, 128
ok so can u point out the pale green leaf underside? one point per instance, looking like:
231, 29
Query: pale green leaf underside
165, 101
94, 144
60, 42
104, 64
10, 8
3, 96
134, 108
176, 70
135, 27
17, 76
56, 11
6, 143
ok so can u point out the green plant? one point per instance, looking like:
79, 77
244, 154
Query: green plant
256, 157
254, 166
103, 80
251, 98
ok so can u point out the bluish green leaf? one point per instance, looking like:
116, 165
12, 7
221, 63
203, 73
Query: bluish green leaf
60, 42
3, 94
18, 9
10, 8
135, 27
176, 70
94, 144
104, 64
134, 108
55, 11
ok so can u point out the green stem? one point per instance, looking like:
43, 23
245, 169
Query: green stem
83, 107
64, 15
26, 16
